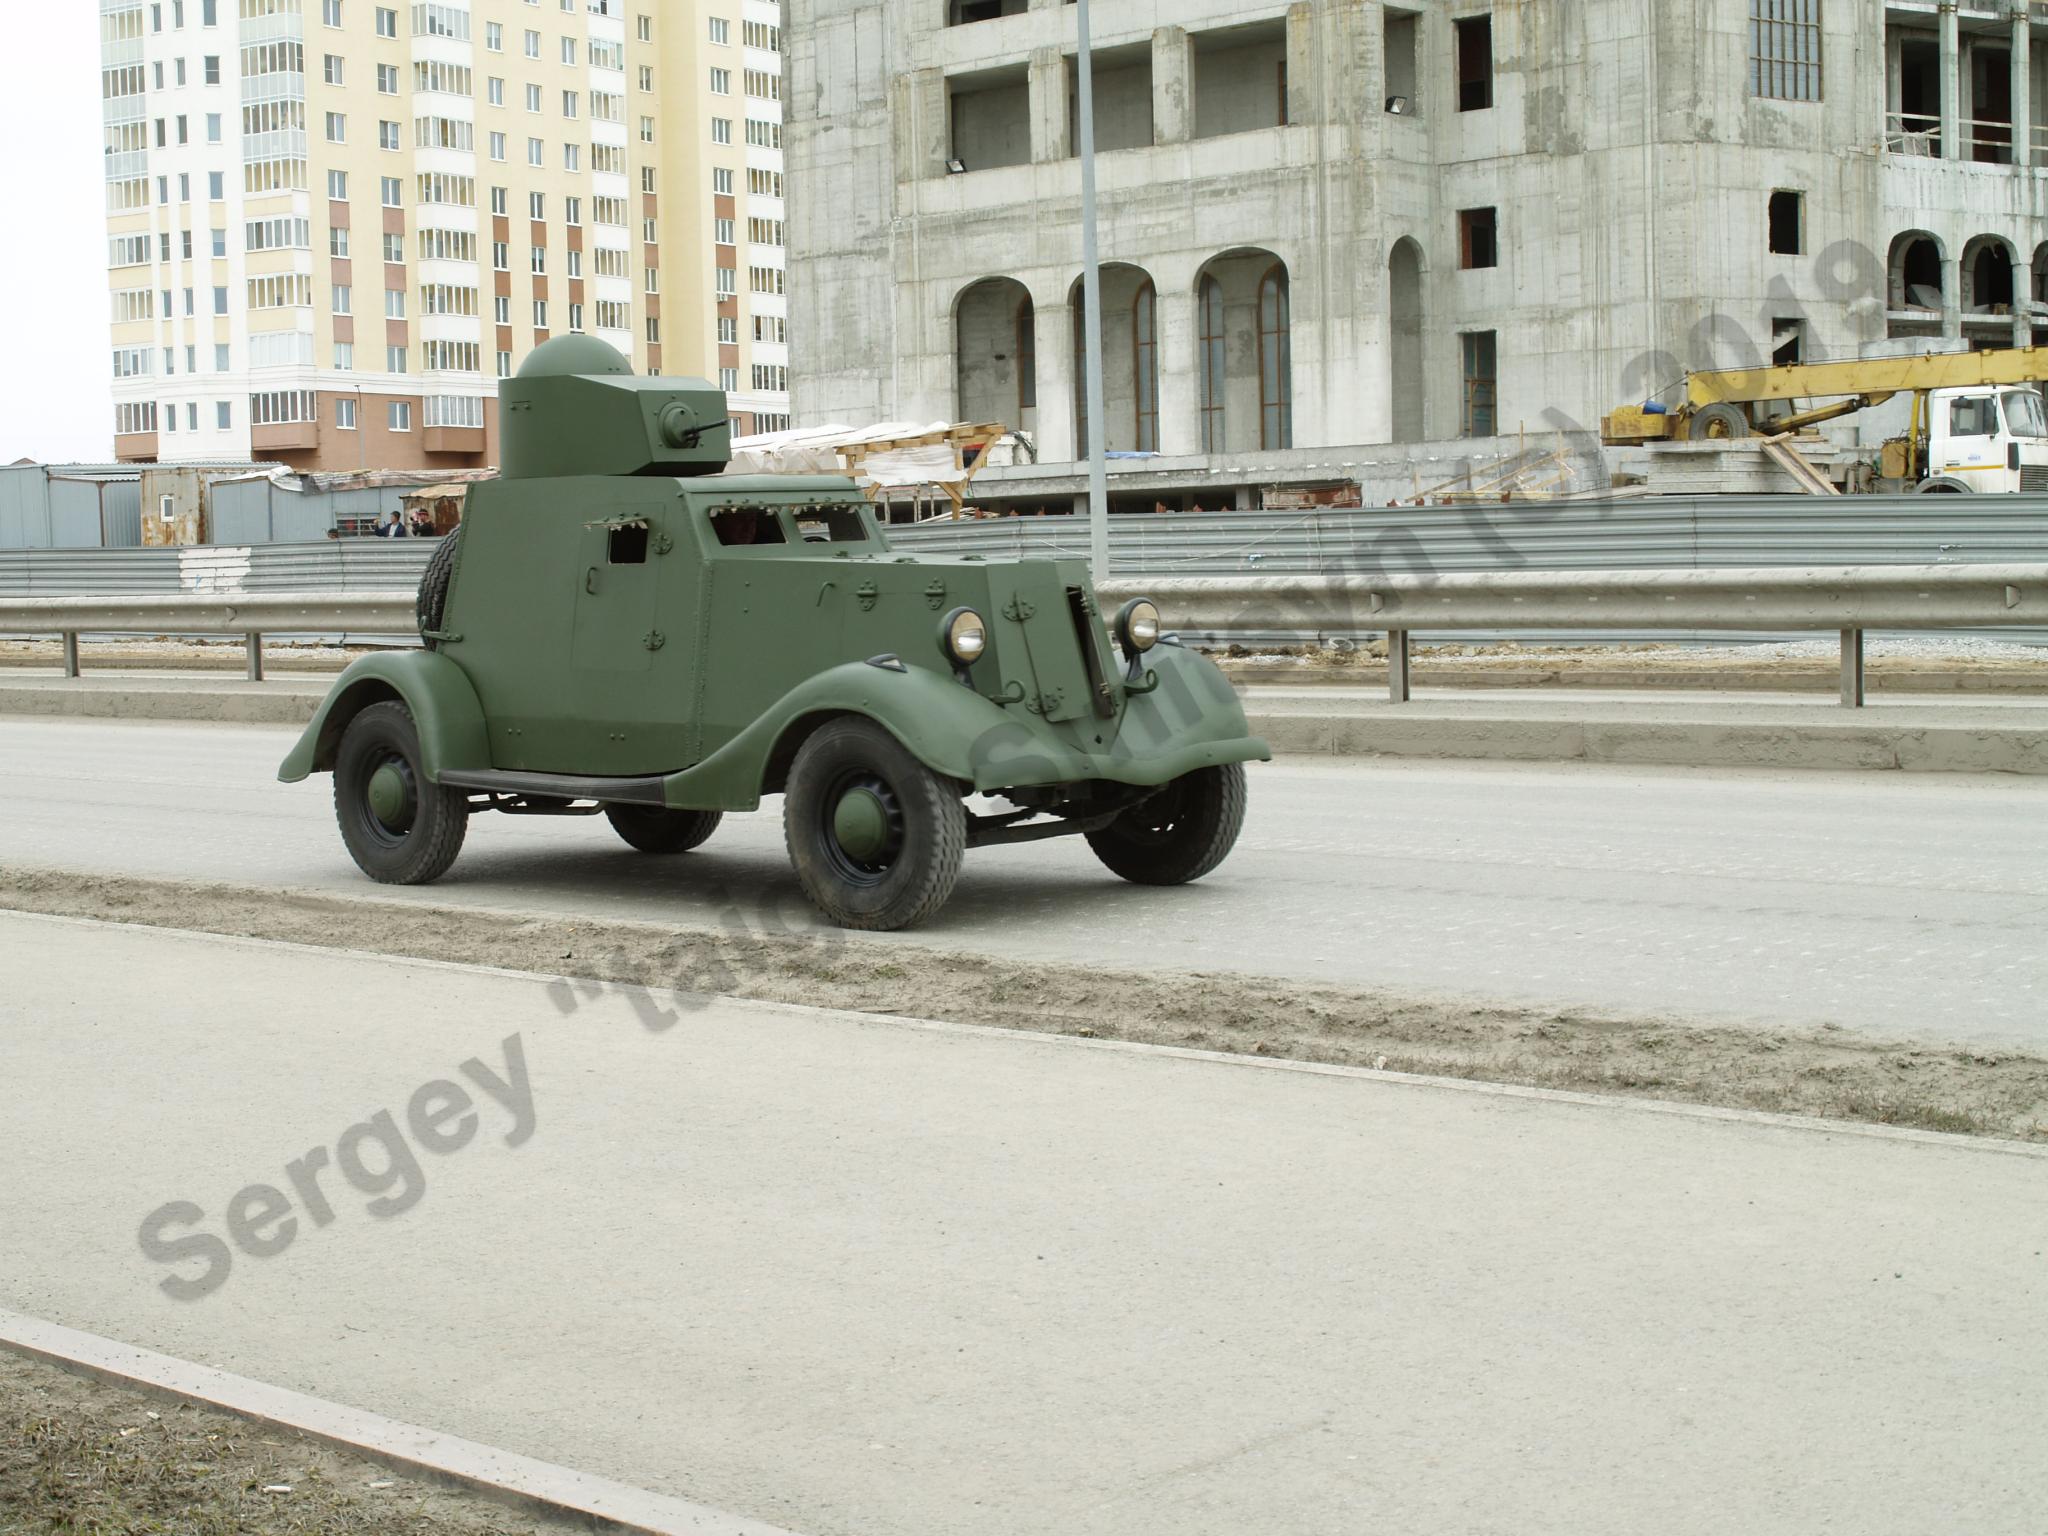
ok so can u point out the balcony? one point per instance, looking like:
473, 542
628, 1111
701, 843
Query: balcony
284, 436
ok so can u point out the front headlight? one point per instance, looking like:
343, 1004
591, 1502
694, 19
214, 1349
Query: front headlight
1137, 626
963, 636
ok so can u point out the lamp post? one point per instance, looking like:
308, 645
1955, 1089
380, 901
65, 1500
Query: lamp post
1091, 304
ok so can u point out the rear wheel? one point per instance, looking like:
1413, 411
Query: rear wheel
399, 828
876, 837
652, 829
1179, 834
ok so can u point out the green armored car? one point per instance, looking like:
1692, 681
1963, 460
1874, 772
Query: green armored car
621, 627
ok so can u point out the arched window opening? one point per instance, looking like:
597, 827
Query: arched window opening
1276, 363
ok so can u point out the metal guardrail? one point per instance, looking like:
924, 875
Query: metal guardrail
1847, 600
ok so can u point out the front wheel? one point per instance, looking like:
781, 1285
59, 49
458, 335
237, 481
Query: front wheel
876, 837
1179, 834
400, 828
651, 829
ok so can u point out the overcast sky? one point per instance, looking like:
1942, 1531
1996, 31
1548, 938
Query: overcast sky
55, 373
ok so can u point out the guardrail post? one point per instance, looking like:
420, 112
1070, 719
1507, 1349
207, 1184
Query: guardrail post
1397, 666
254, 644
1852, 668
71, 653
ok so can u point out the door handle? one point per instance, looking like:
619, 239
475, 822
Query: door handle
590, 581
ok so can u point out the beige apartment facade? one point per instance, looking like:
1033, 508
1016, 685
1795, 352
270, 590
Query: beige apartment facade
334, 224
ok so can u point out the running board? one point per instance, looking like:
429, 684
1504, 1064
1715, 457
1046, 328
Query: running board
559, 786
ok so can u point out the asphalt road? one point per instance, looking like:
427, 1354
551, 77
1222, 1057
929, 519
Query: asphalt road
851, 1275
1897, 905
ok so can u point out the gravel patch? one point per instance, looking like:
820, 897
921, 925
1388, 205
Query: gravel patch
1823, 1072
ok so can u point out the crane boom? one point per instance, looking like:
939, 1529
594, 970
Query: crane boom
1867, 376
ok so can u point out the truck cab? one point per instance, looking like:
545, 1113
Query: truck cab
1983, 438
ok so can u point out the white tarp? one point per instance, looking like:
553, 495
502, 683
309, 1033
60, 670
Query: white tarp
821, 450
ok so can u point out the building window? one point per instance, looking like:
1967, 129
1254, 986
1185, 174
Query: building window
533, 45
213, 127
394, 303
342, 297
1478, 239
1481, 383
330, 12
1209, 314
1276, 362
721, 82
504, 365
497, 146
345, 413
1145, 365
498, 199
387, 22
721, 130
337, 128
1475, 63
1784, 49
537, 205
391, 191
400, 415
211, 66
331, 71
721, 180
223, 415
337, 242
394, 359
387, 135
533, 98
540, 314
721, 30
1785, 223
344, 356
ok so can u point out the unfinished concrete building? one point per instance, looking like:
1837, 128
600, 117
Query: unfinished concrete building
1333, 228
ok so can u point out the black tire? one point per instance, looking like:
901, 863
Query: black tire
431, 606
1179, 834
920, 822
653, 829
414, 840
1719, 422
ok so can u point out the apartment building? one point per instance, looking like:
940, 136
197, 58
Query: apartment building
334, 224
1359, 226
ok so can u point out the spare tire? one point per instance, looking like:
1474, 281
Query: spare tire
1718, 422
432, 602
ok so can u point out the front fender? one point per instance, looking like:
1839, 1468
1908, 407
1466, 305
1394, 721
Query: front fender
444, 709
1191, 719
935, 718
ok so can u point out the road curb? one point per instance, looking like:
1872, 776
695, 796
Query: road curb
534, 1487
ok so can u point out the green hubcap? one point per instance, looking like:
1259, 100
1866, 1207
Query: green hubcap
860, 824
391, 796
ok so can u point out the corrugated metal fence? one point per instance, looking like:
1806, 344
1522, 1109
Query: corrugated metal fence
1660, 533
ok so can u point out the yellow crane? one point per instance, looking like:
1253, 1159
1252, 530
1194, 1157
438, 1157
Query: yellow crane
1977, 422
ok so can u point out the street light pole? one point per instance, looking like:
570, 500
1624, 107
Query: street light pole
1091, 302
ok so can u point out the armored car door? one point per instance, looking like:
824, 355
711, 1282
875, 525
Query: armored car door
631, 644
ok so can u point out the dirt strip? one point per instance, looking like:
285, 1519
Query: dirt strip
1825, 1072
82, 1456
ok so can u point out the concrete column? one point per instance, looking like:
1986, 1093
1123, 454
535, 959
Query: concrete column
1302, 107
1052, 331
1951, 84
1180, 383
2022, 89
2022, 303
1050, 139
922, 133
1952, 297
1173, 86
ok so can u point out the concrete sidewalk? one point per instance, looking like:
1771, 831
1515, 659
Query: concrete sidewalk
851, 1275
1687, 729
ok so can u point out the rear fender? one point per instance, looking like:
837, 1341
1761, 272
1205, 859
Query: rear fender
444, 709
